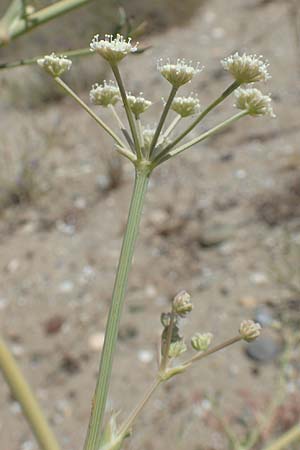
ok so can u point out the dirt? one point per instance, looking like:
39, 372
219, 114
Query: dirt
213, 224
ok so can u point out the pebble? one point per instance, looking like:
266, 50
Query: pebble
53, 324
96, 341
66, 286
248, 302
265, 349
215, 235
65, 228
145, 356
258, 278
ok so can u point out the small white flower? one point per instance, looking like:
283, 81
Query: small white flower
249, 330
111, 48
246, 68
254, 101
138, 104
186, 106
105, 94
176, 349
179, 73
55, 65
201, 341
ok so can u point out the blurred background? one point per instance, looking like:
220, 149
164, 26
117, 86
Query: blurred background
221, 221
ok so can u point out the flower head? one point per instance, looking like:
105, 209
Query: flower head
249, 330
182, 304
139, 104
105, 94
111, 48
246, 68
176, 349
201, 341
179, 73
55, 65
254, 101
186, 106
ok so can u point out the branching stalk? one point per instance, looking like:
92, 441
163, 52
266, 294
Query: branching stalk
288, 438
23, 394
163, 156
204, 113
129, 114
163, 118
99, 401
89, 111
22, 25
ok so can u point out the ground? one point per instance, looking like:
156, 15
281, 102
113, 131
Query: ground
215, 222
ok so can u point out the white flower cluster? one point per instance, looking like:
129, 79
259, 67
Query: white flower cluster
105, 94
111, 48
201, 341
55, 65
178, 73
186, 106
254, 101
246, 68
249, 330
138, 104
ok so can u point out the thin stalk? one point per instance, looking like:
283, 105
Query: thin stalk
204, 113
288, 438
215, 349
172, 126
23, 394
89, 111
163, 157
129, 114
30, 61
125, 428
117, 117
140, 131
23, 25
99, 401
125, 152
163, 118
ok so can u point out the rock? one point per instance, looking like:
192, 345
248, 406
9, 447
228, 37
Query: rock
248, 302
54, 324
145, 356
96, 341
215, 235
266, 348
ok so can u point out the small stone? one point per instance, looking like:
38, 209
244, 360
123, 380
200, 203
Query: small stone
258, 278
264, 316
65, 228
265, 349
145, 356
215, 235
96, 341
54, 324
13, 265
248, 302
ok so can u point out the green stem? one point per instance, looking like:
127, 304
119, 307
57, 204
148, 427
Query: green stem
135, 212
30, 61
165, 357
125, 428
163, 118
204, 113
22, 393
89, 111
23, 25
286, 439
164, 157
129, 114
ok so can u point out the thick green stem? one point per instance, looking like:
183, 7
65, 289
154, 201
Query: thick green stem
288, 438
99, 401
22, 393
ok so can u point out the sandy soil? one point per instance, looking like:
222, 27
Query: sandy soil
235, 197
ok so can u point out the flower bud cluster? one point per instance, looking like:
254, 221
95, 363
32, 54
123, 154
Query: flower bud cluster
178, 73
139, 104
186, 106
254, 101
246, 68
249, 330
201, 341
111, 48
105, 94
55, 65
182, 304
